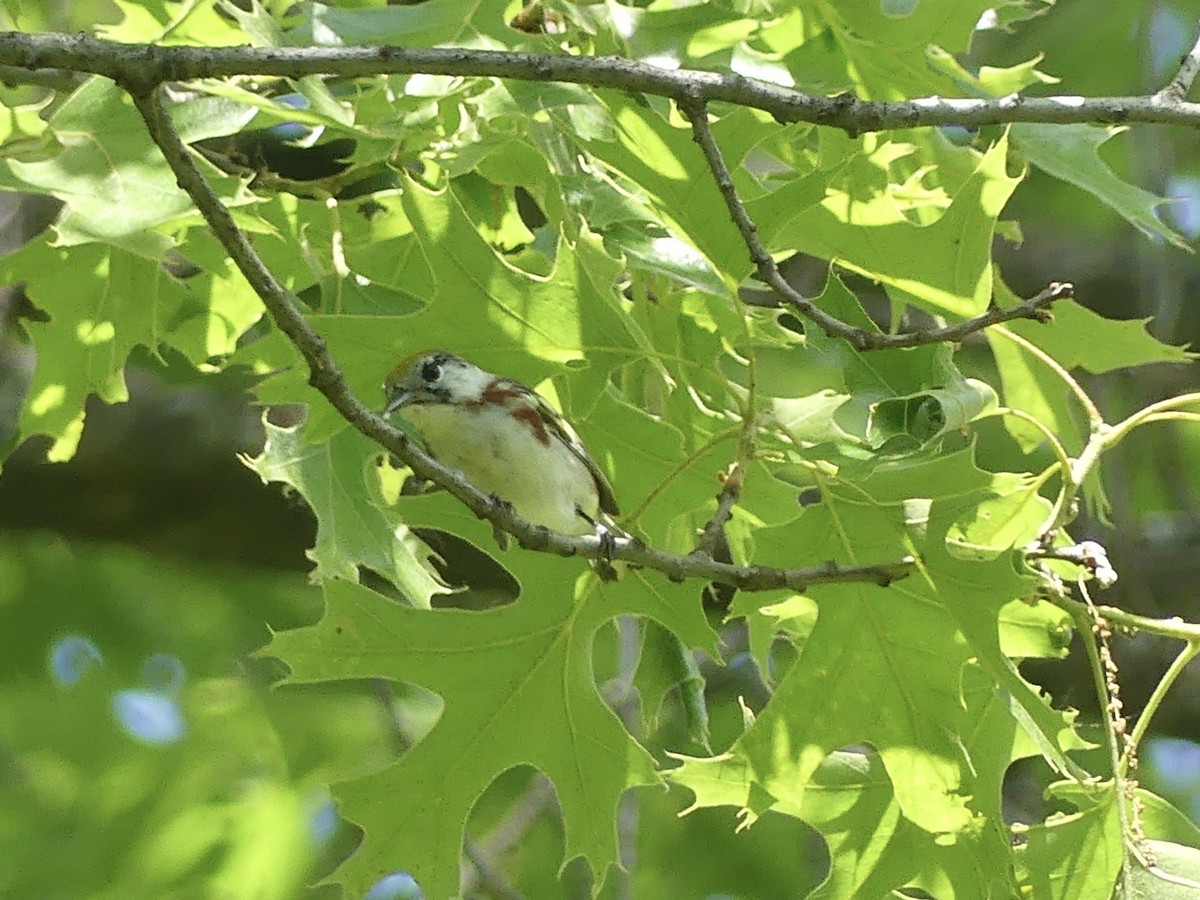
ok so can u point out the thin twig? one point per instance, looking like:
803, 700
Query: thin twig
326, 377
151, 64
487, 876
1175, 90
696, 110
629, 647
1189, 652
731, 490
508, 832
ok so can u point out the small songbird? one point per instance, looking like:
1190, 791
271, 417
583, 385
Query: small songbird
505, 439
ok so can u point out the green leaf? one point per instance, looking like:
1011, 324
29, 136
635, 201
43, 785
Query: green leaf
942, 22
497, 672
657, 482
1110, 344
1011, 518
824, 390
156, 22
23, 132
991, 81
1034, 630
1174, 876
106, 163
945, 724
873, 849
461, 23
1012, 12
102, 302
1071, 154
660, 158
1164, 821
1077, 856
481, 298
338, 480
929, 414
1032, 386
943, 266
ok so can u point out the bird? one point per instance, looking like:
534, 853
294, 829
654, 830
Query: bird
506, 439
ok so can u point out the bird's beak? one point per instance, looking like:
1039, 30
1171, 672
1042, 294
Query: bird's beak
396, 400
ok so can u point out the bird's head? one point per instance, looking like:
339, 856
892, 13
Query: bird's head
434, 377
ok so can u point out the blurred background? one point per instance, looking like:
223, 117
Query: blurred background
142, 749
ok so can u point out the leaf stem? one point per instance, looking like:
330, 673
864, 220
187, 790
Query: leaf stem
1155, 412
1190, 651
1051, 438
1095, 420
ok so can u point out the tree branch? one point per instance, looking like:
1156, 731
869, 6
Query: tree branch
731, 490
146, 65
488, 876
326, 377
510, 831
1175, 90
696, 110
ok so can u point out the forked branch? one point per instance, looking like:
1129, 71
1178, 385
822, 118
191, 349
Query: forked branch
696, 110
326, 377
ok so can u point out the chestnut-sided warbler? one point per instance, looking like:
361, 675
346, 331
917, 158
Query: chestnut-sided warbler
505, 439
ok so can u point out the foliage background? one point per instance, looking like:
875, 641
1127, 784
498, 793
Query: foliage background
171, 559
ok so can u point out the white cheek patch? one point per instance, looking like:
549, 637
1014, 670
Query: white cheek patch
466, 381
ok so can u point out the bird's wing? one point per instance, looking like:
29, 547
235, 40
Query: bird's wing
560, 426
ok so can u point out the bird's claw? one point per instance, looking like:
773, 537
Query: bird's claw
499, 533
608, 548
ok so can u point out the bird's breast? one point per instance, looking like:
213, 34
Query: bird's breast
513, 458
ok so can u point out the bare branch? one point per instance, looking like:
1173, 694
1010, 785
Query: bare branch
146, 65
509, 832
487, 876
521, 816
696, 110
731, 490
326, 377
1035, 308
1175, 90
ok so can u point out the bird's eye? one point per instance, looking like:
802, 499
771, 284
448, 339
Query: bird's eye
431, 371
